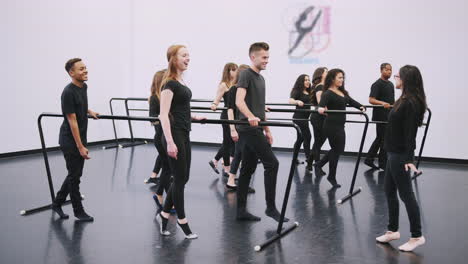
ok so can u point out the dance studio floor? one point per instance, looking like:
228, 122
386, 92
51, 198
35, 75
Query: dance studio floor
125, 230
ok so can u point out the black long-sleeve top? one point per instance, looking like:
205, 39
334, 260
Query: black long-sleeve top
402, 127
333, 101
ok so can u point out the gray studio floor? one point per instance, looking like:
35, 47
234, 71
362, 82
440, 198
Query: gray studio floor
125, 231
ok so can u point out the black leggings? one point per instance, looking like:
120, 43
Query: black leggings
157, 141
306, 137
237, 158
337, 139
319, 138
180, 169
165, 177
255, 146
227, 148
397, 179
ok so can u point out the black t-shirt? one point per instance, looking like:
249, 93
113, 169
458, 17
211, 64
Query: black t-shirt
383, 91
74, 100
333, 101
179, 113
154, 106
231, 103
306, 99
226, 95
254, 83
402, 127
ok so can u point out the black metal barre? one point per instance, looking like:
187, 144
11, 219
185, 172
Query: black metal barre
280, 232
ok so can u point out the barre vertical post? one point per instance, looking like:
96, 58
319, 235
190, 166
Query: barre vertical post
429, 117
353, 192
279, 232
116, 145
129, 122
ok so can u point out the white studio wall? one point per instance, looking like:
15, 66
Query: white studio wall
124, 43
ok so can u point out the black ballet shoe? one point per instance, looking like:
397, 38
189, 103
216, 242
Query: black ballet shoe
58, 209
243, 215
251, 190
371, 164
309, 167
275, 214
225, 174
333, 183
319, 171
162, 224
231, 188
186, 230
212, 165
152, 180
82, 216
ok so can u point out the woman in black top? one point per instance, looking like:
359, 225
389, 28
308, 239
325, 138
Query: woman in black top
301, 98
227, 148
335, 97
316, 119
153, 101
176, 122
400, 142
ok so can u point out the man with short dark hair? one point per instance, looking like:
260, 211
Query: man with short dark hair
255, 141
382, 94
73, 138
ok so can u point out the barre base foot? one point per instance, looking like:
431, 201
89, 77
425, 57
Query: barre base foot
276, 237
44, 208
349, 196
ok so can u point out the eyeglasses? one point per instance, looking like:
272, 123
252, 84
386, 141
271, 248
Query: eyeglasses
396, 76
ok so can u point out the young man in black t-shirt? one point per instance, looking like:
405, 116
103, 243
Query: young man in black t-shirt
383, 94
255, 141
73, 138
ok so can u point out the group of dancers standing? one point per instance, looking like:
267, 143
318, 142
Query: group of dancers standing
243, 90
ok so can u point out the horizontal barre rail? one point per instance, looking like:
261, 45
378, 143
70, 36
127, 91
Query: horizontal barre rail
205, 121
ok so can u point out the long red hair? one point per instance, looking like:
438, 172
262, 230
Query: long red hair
171, 73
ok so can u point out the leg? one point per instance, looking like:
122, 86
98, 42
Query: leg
402, 179
337, 138
382, 153
392, 198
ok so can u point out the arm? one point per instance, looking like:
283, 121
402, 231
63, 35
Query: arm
296, 102
242, 106
409, 134
322, 106
234, 135
374, 101
355, 104
166, 100
222, 87
71, 118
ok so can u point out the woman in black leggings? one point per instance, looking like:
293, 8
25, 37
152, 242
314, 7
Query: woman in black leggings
176, 122
227, 148
335, 97
300, 97
316, 119
400, 141
154, 112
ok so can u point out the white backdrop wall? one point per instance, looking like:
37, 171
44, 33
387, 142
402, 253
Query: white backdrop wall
124, 43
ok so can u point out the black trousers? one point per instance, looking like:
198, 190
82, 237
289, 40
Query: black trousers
71, 185
306, 137
378, 146
255, 146
399, 180
319, 136
180, 169
165, 176
337, 139
237, 157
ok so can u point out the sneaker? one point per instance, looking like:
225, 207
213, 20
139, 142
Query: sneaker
186, 230
388, 236
162, 225
412, 244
